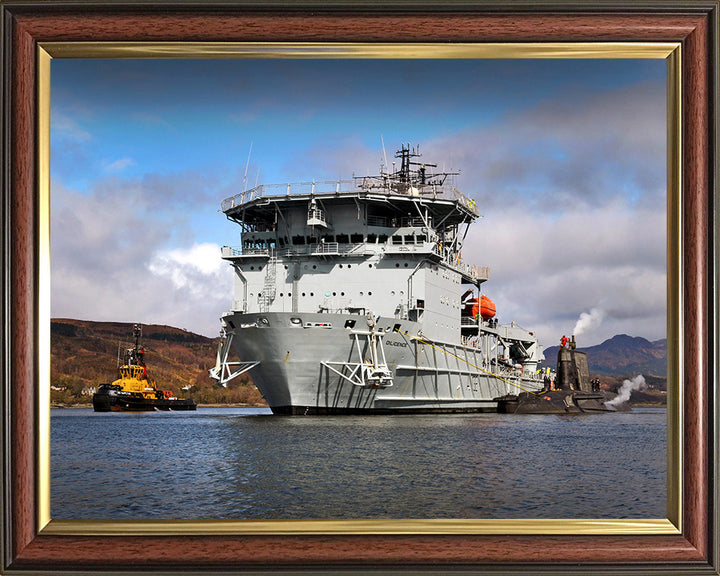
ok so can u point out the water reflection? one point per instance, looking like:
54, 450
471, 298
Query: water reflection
240, 463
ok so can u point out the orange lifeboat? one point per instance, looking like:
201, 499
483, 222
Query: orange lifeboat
487, 308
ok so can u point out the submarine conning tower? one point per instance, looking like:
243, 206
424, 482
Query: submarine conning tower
572, 369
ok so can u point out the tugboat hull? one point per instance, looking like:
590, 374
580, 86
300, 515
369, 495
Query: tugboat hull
111, 400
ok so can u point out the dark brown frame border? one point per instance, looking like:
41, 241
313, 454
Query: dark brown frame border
692, 23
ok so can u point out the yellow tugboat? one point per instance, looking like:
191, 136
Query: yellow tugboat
134, 391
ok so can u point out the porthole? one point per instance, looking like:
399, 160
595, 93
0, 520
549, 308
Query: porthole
334, 293
369, 293
361, 293
406, 264
397, 265
348, 265
340, 265
369, 265
281, 294
392, 292
252, 267
314, 267
342, 293
312, 294
303, 294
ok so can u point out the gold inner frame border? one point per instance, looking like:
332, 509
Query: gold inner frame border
671, 52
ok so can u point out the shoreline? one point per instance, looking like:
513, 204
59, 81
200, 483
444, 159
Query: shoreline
231, 405
241, 405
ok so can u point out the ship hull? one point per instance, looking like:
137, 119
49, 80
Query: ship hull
308, 364
107, 400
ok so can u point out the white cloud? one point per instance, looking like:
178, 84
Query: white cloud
546, 269
196, 269
119, 165
111, 261
66, 128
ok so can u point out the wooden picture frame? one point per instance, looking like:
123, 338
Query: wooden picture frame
31, 545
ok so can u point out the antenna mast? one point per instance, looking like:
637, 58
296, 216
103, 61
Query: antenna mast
246, 167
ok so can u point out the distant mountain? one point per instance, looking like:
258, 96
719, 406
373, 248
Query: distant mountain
622, 355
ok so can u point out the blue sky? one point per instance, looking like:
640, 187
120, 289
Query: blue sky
566, 159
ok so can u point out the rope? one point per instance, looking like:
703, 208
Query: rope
423, 341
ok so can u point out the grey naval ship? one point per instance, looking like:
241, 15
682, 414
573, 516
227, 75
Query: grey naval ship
352, 296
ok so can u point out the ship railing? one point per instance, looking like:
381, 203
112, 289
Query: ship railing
234, 251
469, 270
358, 184
469, 203
454, 261
316, 216
289, 189
325, 248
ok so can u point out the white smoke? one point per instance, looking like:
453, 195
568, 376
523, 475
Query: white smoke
637, 383
588, 320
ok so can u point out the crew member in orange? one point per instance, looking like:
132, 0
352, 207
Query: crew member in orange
564, 341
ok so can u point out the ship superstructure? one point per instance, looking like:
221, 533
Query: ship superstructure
353, 296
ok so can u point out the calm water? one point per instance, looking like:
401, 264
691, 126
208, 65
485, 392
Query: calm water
245, 463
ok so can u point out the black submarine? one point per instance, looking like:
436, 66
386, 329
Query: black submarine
571, 393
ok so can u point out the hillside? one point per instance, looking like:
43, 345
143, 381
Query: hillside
622, 355
84, 354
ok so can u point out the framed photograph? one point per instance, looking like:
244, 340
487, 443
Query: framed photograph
684, 39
